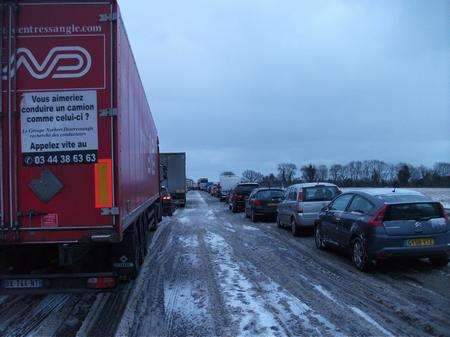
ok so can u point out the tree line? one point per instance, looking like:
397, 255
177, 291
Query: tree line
368, 173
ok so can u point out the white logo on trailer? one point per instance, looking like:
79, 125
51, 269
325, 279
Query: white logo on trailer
50, 64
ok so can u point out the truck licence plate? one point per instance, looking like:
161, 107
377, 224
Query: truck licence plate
420, 242
23, 284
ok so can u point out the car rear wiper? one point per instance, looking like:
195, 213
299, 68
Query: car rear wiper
426, 218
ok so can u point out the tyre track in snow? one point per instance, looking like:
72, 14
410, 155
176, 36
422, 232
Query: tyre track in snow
389, 303
174, 295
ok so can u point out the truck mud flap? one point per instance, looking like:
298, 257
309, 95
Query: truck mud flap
127, 256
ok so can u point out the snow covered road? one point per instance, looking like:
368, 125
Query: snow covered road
214, 273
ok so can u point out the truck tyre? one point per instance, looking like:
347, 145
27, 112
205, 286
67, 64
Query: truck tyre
234, 208
160, 213
146, 234
296, 230
152, 220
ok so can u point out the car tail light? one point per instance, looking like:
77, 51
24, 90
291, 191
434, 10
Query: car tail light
167, 197
257, 202
300, 196
101, 283
443, 212
377, 220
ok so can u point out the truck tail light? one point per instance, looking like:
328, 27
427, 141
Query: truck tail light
377, 219
167, 198
103, 183
101, 283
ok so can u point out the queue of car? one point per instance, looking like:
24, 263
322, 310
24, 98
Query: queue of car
370, 225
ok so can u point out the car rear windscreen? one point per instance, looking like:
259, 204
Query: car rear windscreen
320, 193
416, 211
270, 194
245, 189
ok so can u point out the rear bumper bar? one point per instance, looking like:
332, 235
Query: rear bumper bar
414, 252
55, 283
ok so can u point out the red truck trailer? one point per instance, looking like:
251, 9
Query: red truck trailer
79, 184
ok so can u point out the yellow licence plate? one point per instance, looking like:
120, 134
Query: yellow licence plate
420, 242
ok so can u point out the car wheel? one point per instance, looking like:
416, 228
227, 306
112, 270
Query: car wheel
254, 217
318, 238
296, 230
439, 261
359, 255
279, 224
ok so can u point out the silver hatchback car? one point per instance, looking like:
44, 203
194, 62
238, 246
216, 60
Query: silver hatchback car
302, 204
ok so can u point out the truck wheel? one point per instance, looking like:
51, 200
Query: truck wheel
146, 234
160, 213
152, 220
234, 209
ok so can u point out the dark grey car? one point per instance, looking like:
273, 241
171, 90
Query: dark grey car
263, 202
382, 223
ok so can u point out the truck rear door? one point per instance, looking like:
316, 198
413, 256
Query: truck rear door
57, 134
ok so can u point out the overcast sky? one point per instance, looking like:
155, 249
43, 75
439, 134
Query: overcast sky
247, 84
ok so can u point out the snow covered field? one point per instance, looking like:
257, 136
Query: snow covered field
437, 194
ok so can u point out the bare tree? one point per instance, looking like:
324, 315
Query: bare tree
404, 174
322, 173
252, 176
336, 172
270, 181
286, 173
442, 169
309, 172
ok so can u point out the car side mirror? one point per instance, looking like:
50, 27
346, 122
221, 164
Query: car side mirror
325, 209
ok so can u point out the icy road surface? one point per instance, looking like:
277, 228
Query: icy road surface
213, 273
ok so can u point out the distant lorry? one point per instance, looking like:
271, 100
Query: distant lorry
190, 185
203, 184
173, 176
227, 183
79, 174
